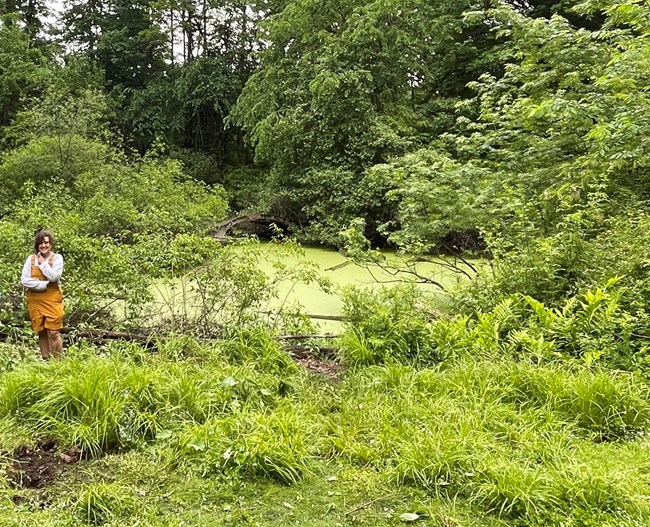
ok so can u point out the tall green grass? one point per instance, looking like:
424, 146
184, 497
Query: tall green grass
529, 443
113, 402
101, 503
514, 439
280, 444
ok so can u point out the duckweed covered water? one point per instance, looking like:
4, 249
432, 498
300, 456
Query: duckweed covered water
342, 273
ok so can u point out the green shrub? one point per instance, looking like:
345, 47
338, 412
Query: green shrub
553, 269
47, 159
389, 325
593, 328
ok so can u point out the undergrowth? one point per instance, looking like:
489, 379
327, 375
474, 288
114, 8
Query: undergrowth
594, 328
518, 442
116, 401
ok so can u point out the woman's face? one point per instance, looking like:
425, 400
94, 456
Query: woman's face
45, 245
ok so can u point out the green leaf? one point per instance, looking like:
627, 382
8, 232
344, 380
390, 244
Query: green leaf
408, 517
164, 434
196, 444
229, 382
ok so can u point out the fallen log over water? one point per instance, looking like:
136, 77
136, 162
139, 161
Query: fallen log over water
101, 334
221, 230
306, 337
339, 318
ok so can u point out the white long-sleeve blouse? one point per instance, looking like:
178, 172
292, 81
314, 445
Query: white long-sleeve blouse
52, 272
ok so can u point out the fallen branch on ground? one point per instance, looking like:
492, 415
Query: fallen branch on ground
305, 337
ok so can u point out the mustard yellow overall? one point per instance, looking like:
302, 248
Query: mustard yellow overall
45, 307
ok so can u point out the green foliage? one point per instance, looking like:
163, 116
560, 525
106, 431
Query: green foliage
529, 408
433, 196
544, 127
88, 408
594, 328
589, 249
46, 160
259, 347
151, 197
100, 503
344, 86
505, 440
276, 445
365, 95
390, 325
554, 139
163, 91
548, 269
29, 17
187, 108
66, 112
113, 218
24, 71
130, 45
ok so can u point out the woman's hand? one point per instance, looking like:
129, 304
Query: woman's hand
40, 259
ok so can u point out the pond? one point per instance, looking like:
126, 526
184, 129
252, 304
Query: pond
325, 307
342, 272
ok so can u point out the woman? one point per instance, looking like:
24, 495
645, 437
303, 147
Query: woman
41, 274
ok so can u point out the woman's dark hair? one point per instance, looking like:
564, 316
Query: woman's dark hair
40, 236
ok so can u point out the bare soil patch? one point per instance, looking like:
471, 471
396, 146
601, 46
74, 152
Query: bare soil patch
312, 362
326, 369
37, 466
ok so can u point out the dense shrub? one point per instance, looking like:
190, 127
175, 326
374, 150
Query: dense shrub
113, 220
596, 327
389, 325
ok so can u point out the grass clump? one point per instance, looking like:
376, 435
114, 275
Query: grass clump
605, 405
100, 502
97, 404
257, 347
610, 407
111, 402
280, 444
